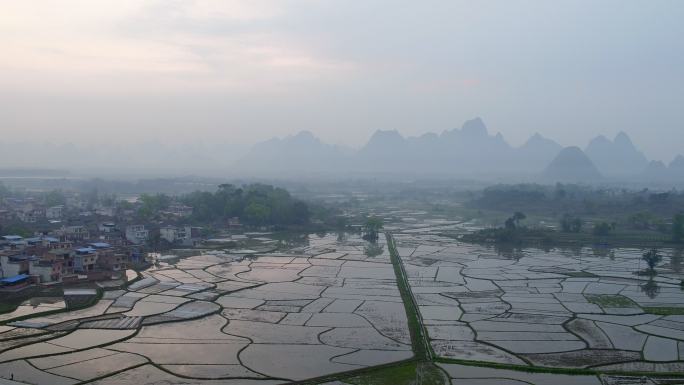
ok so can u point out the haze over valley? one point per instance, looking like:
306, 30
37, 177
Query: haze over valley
331, 192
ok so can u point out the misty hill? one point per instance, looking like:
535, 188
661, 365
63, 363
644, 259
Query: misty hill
537, 152
657, 171
571, 165
618, 157
292, 155
468, 151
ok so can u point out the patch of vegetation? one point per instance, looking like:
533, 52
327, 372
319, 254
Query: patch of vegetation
515, 236
421, 347
519, 368
664, 310
652, 258
423, 373
571, 224
8, 307
372, 228
602, 229
611, 301
678, 228
255, 204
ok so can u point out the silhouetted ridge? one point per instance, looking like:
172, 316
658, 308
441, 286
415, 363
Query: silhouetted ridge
571, 165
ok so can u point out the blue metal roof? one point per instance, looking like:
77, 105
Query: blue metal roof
12, 237
85, 250
100, 245
15, 279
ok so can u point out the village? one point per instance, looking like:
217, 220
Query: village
79, 241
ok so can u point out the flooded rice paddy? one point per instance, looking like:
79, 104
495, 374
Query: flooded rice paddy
313, 310
331, 304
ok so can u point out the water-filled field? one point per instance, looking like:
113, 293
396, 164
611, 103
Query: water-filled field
331, 305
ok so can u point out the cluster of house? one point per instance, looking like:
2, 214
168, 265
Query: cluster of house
78, 241
32, 210
72, 252
48, 259
75, 253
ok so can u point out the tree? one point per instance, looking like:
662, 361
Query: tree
678, 228
510, 223
652, 258
55, 198
257, 214
4, 191
603, 228
571, 224
152, 204
517, 217
256, 204
650, 288
373, 249
371, 228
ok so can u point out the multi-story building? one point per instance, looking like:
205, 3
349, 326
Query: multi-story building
137, 234
74, 233
54, 212
13, 263
184, 235
84, 259
29, 214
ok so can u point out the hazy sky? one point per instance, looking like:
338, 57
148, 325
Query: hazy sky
128, 70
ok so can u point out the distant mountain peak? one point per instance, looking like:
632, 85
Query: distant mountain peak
387, 134
384, 139
616, 157
474, 127
572, 165
599, 140
304, 136
622, 137
539, 139
678, 162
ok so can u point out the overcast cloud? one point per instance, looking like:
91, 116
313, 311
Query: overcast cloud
243, 71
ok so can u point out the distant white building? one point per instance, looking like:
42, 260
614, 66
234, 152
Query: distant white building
105, 211
54, 212
12, 264
74, 233
29, 214
178, 210
137, 234
184, 235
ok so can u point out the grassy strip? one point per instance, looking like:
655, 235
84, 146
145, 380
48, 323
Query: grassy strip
664, 310
547, 370
418, 338
347, 376
424, 373
611, 301
517, 368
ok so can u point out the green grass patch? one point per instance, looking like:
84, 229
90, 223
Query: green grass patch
519, 368
8, 307
418, 341
664, 310
424, 373
611, 301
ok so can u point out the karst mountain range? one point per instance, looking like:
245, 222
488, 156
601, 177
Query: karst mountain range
470, 151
